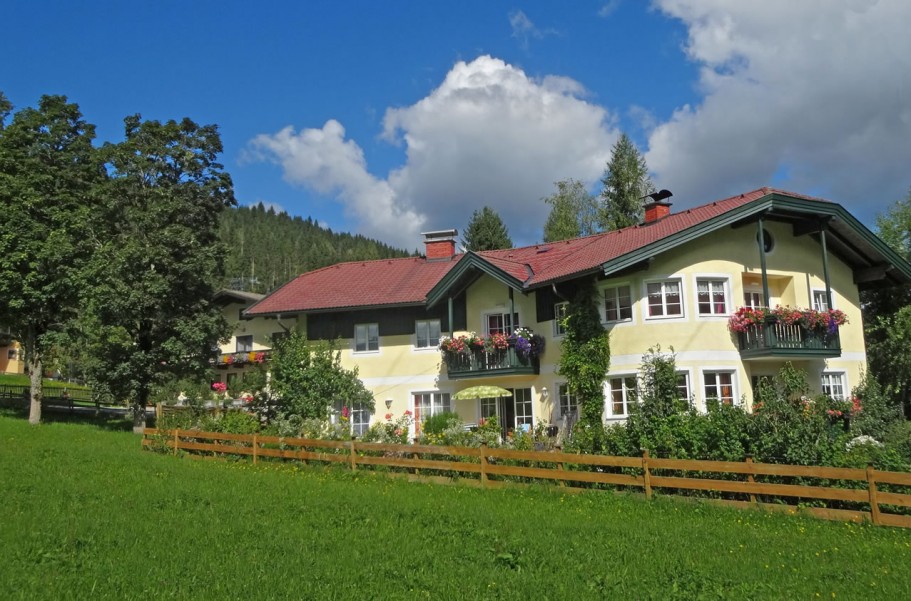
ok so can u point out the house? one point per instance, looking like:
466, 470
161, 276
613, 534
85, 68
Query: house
674, 280
12, 359
251, 339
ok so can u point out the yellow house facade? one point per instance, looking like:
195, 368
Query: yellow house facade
12, 358
672, 282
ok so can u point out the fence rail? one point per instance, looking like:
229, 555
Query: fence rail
487, 467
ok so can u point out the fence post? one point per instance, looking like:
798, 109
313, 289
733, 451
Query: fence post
353, 455
483, 464
157, 413
750, 478
559, 449
871, 489
255, 447
414, 456
646, 475
176, 440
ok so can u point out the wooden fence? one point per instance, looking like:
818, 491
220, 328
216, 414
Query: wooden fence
763, 484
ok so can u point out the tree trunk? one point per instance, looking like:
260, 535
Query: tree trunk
139, 411
36, 376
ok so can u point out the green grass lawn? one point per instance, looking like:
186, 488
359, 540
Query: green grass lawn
85, 513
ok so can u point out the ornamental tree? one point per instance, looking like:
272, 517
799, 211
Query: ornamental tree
150, 311
486, 231
308, 378
50, 181
573, 212
626, 181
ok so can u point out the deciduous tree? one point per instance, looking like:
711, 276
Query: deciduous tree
151, 312
573, 212
50, 177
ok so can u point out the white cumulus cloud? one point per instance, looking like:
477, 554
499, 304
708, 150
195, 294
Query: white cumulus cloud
488, 135
813, 96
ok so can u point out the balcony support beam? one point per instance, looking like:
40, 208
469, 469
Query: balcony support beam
825, 267
765, 275
449, 303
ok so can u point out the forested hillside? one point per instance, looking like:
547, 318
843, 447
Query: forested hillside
266, 249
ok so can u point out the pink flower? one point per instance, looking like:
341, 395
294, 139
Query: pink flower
219, 386
407, 412
398, 431
345, 412
389, 417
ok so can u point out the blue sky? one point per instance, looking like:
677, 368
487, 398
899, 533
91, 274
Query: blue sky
392, 118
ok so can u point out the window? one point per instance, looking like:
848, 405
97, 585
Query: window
833, 385
488, 408
568, 403
500, 323
753, 300
711, 296
366, 337
559, 316
623, 394
618, 304
524, 420
427, 333
11, 354
683, 387
244, 344
664, 299
768, 242
820, 300
358, 417
719, 386
427, 404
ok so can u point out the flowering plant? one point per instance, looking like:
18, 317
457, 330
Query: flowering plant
823, 322
219, 387
454, 345
527, 343
496, 342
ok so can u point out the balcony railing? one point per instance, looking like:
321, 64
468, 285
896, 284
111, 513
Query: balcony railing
477, 363
787, 340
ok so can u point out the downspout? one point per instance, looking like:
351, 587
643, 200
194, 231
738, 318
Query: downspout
451, 327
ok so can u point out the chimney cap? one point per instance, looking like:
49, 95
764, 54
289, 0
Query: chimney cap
440, 234
659, 196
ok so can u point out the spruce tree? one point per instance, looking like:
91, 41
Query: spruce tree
486, 231
626, 181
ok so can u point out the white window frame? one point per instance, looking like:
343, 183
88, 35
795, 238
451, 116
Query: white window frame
822, 293
561, 389
679, 280
735, 398
431, 345
624, 391
527, 417
358, 418
713, 279
439, 402
749, 303
690, 398
365, 328
842, 382
559, 314
615, 288
508, 326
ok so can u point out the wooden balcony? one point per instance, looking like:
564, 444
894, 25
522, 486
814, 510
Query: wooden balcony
477, 364
778, 340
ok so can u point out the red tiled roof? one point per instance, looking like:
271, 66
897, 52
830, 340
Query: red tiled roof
357, 284
407, 281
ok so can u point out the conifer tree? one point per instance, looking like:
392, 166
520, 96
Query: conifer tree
486, 231
626, 181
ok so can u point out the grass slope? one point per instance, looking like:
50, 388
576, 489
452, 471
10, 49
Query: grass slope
85, 513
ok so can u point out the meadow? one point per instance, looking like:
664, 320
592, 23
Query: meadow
85, 513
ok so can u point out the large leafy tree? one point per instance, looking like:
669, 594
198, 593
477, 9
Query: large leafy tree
50, 177
887, 313
573, 212
626, 181
151, 312
486, 231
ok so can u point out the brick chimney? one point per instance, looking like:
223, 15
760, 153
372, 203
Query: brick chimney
440, 244
656, 208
